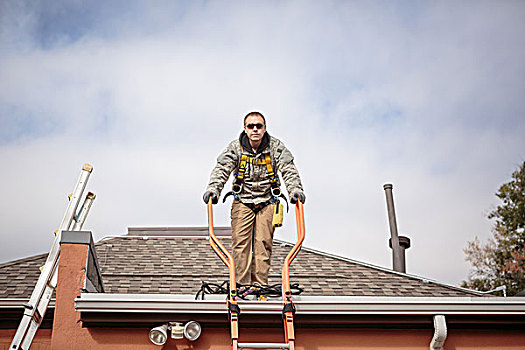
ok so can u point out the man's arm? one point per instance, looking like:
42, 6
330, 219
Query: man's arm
226, 163
290, 174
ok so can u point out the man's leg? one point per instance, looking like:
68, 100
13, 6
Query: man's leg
242, 220
263, 238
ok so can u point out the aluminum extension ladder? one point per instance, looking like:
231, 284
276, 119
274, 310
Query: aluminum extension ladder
288, 307
35, 309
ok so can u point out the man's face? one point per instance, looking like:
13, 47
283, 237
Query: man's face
254, 128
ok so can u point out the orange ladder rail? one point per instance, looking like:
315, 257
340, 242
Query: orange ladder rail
227, 259
288, 307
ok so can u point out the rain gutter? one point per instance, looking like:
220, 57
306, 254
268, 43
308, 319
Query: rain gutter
322, 305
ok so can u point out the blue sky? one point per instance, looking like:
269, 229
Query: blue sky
425, 95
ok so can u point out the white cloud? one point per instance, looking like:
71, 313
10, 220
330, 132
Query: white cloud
427, 97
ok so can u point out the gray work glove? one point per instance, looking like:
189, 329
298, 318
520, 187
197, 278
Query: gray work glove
297, 196
207, 195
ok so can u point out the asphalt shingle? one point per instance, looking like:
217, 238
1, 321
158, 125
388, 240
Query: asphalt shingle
179, 264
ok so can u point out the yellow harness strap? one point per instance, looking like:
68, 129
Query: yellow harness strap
277, 219
267, 160
269, 169
242, 166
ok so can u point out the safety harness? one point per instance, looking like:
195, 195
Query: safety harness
272, 178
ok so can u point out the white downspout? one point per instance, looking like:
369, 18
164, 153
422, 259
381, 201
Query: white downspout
440, 333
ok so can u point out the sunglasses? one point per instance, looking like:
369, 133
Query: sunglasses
258, 126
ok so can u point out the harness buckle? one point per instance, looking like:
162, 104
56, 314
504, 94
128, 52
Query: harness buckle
236, 188
276, 192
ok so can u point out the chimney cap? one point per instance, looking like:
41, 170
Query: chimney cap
403, 242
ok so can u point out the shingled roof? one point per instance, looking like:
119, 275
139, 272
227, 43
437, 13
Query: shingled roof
177, 260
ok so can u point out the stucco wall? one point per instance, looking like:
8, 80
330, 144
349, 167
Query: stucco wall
307, 339
42, 339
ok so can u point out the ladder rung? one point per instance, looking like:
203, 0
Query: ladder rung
263, 345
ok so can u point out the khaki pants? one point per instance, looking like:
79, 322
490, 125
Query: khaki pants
252, 236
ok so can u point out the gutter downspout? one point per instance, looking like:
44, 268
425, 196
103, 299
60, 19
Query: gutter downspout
440, 333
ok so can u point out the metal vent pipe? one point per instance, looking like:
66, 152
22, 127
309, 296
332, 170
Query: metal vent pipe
397, 243
404, 243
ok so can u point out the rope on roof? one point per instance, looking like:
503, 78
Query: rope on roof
246, 291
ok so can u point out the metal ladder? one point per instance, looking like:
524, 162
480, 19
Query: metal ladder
35, 309
288, 307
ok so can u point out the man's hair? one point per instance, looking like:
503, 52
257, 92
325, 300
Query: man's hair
254, 114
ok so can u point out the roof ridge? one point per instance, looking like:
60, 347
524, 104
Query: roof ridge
384, 269
28, 258
146, 237
175, 231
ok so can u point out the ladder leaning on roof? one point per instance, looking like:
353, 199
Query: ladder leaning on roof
288, 307
35, 309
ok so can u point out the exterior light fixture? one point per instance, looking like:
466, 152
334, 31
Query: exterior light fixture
177, 330
159, 335
191, 331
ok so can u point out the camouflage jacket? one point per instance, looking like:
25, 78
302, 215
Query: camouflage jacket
256, 186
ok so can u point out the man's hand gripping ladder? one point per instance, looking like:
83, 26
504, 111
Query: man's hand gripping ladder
288, 307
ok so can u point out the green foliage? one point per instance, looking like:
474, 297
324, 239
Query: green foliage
501, 260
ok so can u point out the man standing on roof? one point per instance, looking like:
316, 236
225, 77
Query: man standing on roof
256, 157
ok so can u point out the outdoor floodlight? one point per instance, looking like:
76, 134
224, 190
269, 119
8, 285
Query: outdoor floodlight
159, 335
192, 330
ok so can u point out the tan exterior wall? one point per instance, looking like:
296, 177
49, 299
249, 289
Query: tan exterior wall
307, 339
42, 339
471, 340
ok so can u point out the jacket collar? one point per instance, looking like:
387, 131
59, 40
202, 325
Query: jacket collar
245, 142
